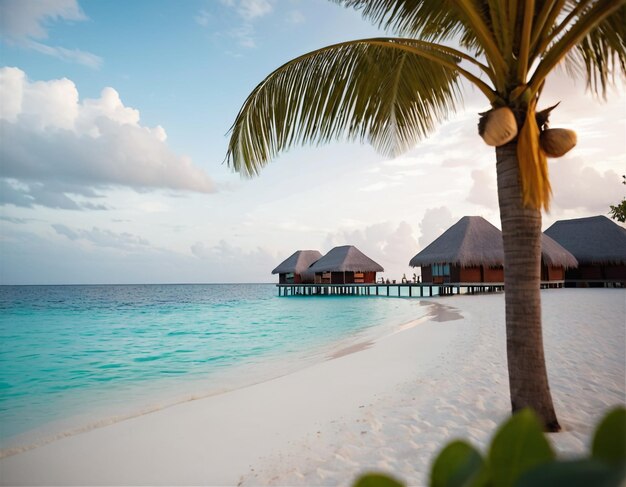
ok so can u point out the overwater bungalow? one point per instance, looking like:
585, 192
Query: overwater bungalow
555, 260
599, 245
295, 269
345, 265
471, 251
468, 251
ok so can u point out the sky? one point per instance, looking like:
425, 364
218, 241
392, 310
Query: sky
114, 120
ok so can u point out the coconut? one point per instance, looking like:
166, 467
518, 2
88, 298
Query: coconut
557, 142
498, 127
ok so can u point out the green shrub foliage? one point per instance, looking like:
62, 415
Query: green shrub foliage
520, 456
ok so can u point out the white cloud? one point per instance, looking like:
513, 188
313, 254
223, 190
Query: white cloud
236, 263
23, 21
392, 246
577, 186
154, 207
52, 195
55, 143
251, 9
103, 237
110, 106
68, 55
45, 105
15, 221
244, 35
484, 189
434, 223
12, 81
202, 18
403, 161
379, 186
68, 253
295, 17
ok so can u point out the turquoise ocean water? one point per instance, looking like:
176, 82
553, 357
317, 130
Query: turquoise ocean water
71, 356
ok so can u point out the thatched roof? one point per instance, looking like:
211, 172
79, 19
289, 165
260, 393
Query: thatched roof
592, 240
474, 241
298, 262
556, 255
469, 242
346, 258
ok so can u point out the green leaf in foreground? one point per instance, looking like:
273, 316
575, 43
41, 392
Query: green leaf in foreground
518, 446
609, 442
455, 465
377, 480
579, 473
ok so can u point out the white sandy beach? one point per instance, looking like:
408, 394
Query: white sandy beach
386, 405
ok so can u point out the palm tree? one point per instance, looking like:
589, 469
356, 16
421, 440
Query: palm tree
391, 92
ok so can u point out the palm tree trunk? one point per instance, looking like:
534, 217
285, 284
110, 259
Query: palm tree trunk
521, 234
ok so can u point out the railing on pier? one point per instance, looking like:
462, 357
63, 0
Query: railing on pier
419, 289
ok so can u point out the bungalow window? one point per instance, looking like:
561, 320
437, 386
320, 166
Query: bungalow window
359, 277
441, 269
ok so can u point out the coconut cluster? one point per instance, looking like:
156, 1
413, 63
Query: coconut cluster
499, 126
557, 142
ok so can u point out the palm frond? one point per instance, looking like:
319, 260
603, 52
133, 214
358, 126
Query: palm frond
547, 14
369, 90
525, 38
501, 31
498, 15
592, 37
601, 55
431, 20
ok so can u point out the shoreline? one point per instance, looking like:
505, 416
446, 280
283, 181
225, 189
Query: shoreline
236, 377
386, 406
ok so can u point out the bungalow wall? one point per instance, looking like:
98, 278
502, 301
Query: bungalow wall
427, 273
598, 273
347, 277
552, 273
481, 274
493, 274
615, 272
584, 273
290, 278
363, 277
465, 274
322, 278
341, 277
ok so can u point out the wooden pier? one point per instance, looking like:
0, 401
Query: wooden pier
418, 289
